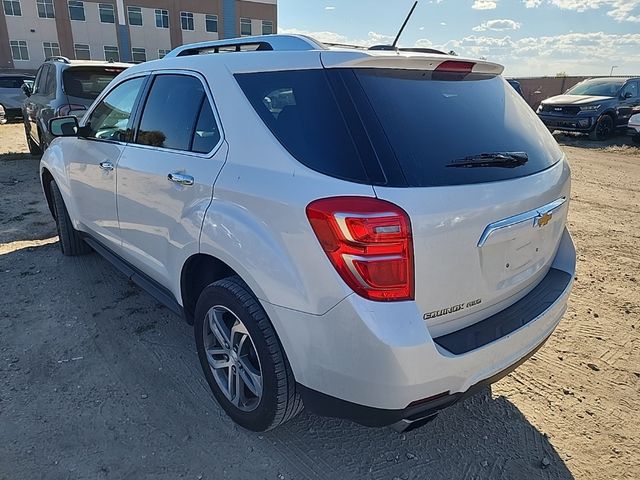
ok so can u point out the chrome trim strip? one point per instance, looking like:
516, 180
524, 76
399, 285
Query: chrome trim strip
520, 218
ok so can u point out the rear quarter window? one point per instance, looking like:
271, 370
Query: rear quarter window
301, 111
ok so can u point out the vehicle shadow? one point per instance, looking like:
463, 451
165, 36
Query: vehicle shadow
116, 375
482, 438
615, 142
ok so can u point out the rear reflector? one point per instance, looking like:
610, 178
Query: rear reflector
369, 243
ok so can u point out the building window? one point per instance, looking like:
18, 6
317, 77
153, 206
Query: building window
162, 18
107, 14
19, 50
111, 54
138, 55
162, 52
51, 49
267, 27
76, 10
45, 8
245, 26
135, 16
12, 8
82, 51
186, 19
211, 23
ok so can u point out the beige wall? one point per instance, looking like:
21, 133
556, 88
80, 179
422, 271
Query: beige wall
537, 89
148, 36
20, 28
94, 33
199, 34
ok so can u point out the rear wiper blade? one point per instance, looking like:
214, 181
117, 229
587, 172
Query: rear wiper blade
498, 159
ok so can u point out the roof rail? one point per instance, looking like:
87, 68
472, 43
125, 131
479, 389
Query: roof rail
257, 43
57, 58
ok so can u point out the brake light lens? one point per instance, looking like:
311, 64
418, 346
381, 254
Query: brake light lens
454, 66
369, 243
66, 110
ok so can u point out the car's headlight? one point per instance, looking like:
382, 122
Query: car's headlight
589, 108
539, 109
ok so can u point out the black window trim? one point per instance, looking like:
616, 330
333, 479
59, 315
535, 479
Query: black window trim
134, 110
141, 102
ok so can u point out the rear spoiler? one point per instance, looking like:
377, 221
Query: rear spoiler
408, 61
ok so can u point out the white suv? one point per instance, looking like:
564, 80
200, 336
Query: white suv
373, 234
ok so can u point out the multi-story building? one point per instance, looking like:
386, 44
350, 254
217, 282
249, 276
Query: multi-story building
122, 30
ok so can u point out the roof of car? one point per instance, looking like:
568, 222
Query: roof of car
285, 51
86, 63
19, 75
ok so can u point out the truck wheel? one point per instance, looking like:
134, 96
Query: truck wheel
71, 242
242, 358
603, 128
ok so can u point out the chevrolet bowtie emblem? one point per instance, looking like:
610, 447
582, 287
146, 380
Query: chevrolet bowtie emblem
542, 220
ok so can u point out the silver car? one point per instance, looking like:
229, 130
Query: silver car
12, 95
63, 87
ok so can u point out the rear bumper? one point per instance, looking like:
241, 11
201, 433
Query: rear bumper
376, 363
401, 419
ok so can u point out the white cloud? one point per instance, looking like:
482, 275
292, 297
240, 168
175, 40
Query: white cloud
329, 7
498, 25
484, 5
619, 10
373, 38
590, 53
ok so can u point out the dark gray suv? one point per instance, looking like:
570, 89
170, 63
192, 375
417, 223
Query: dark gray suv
62, 87
597, 106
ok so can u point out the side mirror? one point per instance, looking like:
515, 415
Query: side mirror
628, 95
26, 89
64, 127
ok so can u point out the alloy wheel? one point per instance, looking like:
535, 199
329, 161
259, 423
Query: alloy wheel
232, 358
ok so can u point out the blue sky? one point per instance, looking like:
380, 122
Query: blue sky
529, 37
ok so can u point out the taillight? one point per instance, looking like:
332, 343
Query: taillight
368, 242
65, 110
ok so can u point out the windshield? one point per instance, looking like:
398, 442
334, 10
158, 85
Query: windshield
89, 82
600, 88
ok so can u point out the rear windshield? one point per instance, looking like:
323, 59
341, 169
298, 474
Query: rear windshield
88, 82
403, 127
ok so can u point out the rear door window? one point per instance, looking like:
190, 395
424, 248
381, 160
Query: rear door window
177, 115
88, 82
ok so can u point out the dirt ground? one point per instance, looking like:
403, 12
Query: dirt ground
98, 381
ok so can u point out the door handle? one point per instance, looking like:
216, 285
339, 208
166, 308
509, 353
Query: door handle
106, 166
180, 178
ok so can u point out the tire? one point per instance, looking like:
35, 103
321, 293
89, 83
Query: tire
229, 302
603, 128
636, 139
34, 149
71, 243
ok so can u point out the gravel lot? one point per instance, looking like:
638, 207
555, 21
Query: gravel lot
97, 380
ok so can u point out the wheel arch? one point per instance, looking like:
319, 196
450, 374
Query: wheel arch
47, 178
198, 271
